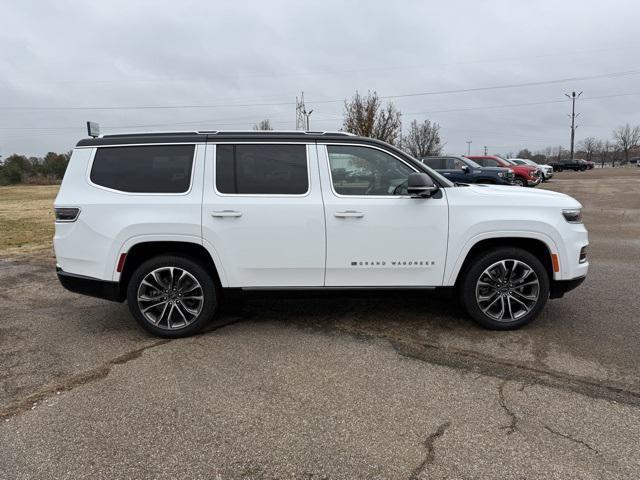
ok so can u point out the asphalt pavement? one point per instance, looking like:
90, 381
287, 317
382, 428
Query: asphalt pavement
367, 386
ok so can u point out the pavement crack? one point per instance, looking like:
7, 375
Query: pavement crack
513, 425
76, 380
430, 447
477, 363
570, 438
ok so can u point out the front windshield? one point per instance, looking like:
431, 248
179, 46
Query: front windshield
518, 162
510, 162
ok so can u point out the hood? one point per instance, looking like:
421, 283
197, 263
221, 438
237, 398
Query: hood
512, 195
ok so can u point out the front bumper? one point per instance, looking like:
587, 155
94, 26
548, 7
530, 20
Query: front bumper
532, 182
90, 286
558, 288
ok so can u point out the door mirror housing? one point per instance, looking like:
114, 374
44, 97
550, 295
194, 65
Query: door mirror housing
465, 168
420, 185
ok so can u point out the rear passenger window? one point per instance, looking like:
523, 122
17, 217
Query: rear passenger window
147, 169
262, 169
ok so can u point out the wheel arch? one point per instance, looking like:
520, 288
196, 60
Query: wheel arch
144, 250
543, 249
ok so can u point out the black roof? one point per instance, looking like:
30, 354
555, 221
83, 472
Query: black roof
203, 136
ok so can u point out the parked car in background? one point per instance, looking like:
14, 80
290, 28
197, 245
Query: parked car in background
464, 170
547, 170
635, 160
525, 175
590, 165
568, 164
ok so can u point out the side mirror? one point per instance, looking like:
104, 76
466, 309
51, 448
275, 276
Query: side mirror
465, 168
420, 185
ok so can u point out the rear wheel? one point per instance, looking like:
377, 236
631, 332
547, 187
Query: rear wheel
505, 288
172, 296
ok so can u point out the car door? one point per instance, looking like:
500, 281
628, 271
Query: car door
451, 170
262, 213
377, 235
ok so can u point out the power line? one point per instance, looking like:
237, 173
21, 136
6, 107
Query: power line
271, 104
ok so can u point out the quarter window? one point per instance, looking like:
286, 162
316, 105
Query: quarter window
366, 171
262, 169
144, 169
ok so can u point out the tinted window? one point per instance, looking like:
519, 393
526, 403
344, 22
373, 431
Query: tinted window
436, 163
366, 171
148, 169
262, 169
487, 162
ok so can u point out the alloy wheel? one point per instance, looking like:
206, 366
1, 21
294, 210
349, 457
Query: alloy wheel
507, 290
170, 298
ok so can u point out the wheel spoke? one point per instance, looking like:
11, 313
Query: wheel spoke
154, 305
522, 295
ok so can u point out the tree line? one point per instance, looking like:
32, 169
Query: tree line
20, 169
620, 148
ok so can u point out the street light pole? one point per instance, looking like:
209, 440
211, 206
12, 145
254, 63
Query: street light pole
469, 142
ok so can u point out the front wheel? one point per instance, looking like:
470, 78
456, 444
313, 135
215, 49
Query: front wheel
505, 288
519, 182
172, 296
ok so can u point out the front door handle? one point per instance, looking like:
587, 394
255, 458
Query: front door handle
349, 214
226, 213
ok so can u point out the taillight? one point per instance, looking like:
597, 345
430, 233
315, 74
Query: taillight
67, 214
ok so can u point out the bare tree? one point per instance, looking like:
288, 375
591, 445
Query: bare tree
365, 116
525, 153
589, 145
603, 149
422, 140
627, 138
263, 125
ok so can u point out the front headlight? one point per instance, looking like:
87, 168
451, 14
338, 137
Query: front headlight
573, 215
500, 174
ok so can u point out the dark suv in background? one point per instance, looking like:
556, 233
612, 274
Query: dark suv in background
569, 164
464, 170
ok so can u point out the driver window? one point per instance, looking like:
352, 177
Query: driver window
458, 163
366, 171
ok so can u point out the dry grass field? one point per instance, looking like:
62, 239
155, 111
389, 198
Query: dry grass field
26, 219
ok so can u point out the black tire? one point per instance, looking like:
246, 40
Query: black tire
519, 182
476, 270
193, 322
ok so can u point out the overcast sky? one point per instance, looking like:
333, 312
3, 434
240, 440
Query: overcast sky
235, 63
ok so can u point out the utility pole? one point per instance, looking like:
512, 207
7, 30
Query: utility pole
573, 97
485, 150
302, 116
469, 142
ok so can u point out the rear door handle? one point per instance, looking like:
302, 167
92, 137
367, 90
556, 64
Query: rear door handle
226, 213
349, 214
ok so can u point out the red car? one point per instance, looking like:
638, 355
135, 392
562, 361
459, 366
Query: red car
525, 175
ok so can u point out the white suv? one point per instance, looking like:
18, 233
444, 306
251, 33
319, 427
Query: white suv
170, 221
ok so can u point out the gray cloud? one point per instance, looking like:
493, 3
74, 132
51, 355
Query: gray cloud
161, 53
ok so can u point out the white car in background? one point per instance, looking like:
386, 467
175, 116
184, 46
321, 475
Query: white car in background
547, 170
